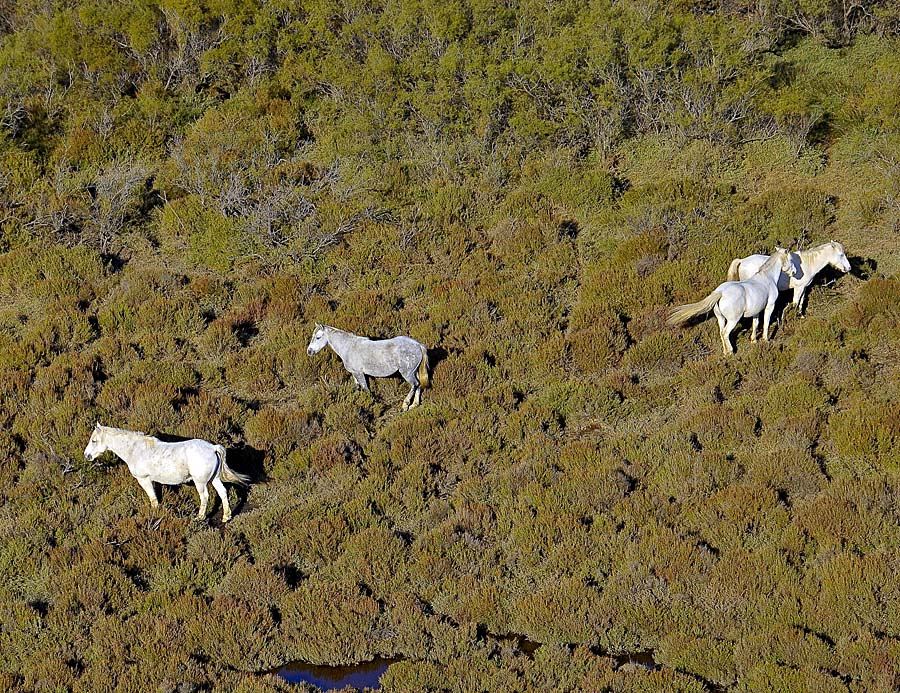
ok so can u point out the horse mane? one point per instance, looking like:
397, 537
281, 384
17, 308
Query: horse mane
816, 249
338, 329
768, 264
125, 430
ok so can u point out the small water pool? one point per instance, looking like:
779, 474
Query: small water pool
329, 678
368, 674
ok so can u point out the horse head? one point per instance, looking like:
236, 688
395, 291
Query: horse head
838, 259
318, 341
96, 445
787, 261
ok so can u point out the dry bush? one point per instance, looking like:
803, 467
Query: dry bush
279, 431
340, 632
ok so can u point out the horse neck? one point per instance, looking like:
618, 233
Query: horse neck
340, 341
771, 268
125, 443
814, 259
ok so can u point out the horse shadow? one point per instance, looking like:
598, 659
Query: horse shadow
435, 356
248, 461
782, 304
862, 267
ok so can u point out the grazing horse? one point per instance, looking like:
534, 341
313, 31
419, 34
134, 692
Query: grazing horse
150, 460
379, 358
732, 301
808, 263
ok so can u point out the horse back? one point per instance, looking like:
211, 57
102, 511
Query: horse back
382, 357
176, 462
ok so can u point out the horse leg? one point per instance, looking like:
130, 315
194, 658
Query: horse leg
407, 402
726, 336
203, 492
767, 315
416, 391
361, 381
147, 484
413, 381
223, 494
726, 345
798, 300
753, 328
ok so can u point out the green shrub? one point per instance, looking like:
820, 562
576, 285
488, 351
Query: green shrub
210, 239
865, 434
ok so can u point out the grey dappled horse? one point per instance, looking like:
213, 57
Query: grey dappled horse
379, 358
150, 460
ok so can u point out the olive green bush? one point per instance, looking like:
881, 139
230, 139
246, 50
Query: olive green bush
526, 188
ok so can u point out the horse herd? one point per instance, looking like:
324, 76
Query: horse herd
753, 285
752, 289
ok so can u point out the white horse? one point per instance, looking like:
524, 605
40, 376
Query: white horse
150, 460
732, 301
379, 358
807, 264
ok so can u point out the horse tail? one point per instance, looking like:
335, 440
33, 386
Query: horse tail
225, 472
424, 377
734, 271
682, 314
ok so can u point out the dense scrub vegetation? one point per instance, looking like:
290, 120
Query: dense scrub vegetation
526, 187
